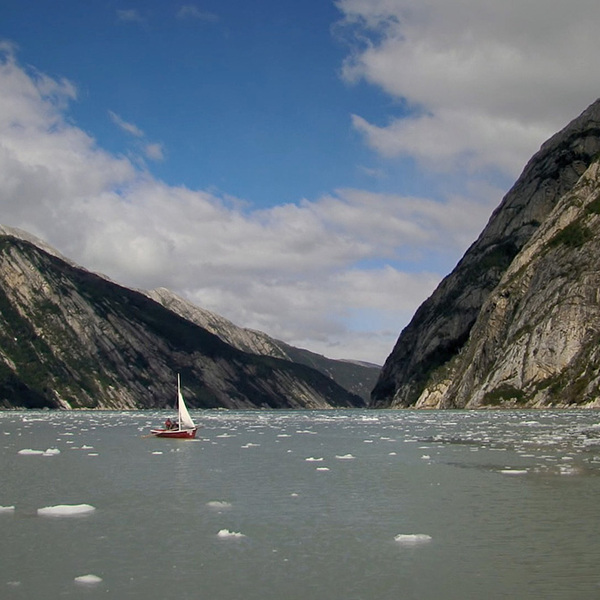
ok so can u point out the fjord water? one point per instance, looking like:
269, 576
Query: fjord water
302, 505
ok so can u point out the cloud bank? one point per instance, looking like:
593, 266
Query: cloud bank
318, 274
485, 82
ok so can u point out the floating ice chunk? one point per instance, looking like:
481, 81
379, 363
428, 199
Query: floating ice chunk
219, 504
7, 509
392, 454
157, 452
30, 452
250, 445
514, 471
412, 539
66, 510
88, 579
225, 534
313, 459
568, 470
344, 456
322, 468
51, 452
425, 457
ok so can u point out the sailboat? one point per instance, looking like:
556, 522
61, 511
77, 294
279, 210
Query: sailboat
184, 428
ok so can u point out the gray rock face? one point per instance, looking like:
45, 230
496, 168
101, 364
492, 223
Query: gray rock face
356, 377
423, 369
73, 339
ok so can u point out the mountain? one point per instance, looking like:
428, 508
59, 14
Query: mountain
357, 377
517, 322
70, 338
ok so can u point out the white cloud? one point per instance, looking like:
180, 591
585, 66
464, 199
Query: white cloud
318, 273
486, 81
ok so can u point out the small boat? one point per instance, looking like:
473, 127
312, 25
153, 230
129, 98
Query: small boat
184, 428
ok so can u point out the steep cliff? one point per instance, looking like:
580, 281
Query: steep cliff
73, 339
536, 341
417, 370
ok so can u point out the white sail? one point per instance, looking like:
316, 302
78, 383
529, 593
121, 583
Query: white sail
185, 421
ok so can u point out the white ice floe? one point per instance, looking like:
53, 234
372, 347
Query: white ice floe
514, 471
31, 452
425, 457
66, 510
412, 539
7, 509
322, 468
344, 456
88, 579
157, 452
313, 459
219, 504
225, 534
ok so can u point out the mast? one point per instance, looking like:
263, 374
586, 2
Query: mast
178, 402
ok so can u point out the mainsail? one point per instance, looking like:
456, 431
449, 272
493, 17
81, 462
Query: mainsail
185, 421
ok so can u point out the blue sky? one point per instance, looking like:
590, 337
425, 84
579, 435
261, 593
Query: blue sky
310, 169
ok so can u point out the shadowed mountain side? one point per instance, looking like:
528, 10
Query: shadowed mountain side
357, 377
70, 338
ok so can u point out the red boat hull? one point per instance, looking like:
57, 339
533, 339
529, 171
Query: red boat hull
176, 434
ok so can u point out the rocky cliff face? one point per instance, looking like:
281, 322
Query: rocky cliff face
356, 377
72, 339
485, 336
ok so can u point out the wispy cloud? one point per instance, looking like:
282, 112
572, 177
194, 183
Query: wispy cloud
190, 11
151, 150
130, 15
154, 151
130, 128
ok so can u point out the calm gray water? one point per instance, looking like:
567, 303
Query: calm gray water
302, 505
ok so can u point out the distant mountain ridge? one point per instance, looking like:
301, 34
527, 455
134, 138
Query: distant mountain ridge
355, 376
501, 329
70, 338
